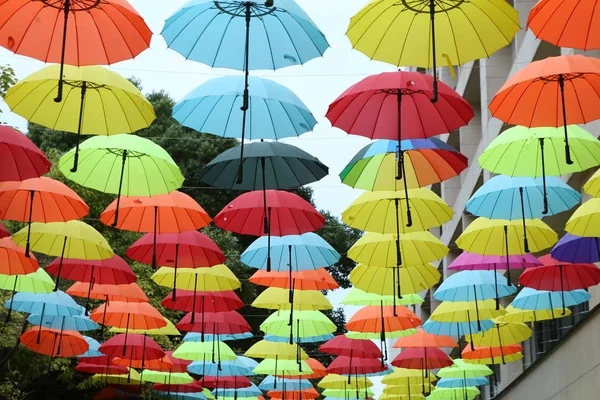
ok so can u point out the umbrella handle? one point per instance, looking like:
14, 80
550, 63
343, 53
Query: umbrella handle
66, 9
434, 99
79, 127
62, 257
525, 241
123, 162
561, 84
28, 245
246, 97
269, 243
545, 210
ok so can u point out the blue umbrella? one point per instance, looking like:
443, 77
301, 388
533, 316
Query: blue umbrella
180, 396
458, 329
454, 383
250, 391
197, 337
308, 339
244, 35
242, 366
275, 111
511, 198
577, 250
58, 304
474, 286
531, 299
78, 323
93, 351
269, 383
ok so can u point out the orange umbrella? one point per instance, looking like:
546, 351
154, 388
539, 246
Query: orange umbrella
545, 92
319, 371
491, 352
161, 364
40, 200
423, 339
54, 342
165, 213
318, 279
294, 395
13, 260
136, 316
567, 23
73, 32
130, 293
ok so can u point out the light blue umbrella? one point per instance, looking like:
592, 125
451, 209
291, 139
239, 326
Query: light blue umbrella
308, 252
511, 198
475, 286
457, 329
531, 299
58, 304
453, 383
275, 112
269, 383
242, 366
78, 323
197, 337
308, 339
250, 391
93, 351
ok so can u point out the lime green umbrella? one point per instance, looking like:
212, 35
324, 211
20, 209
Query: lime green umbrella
305, 323
357, 297
377, 335
171, 378
466, 393
271, 366
199, 351
36, 282
126, 165
464, 370
536, 152
349, 393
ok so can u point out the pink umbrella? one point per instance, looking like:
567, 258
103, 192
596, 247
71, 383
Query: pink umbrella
477, 262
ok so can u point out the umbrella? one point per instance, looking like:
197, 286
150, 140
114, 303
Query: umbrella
241, 366
20, 158
557, 276
479, 354
345, 394
422, 358
87, 368
505, 197
426, 162
499, 237
197, 337
274, 111
303, 300
13, 260
130, 379
190, 249
268, 384
466, 32
304, 324
132, 347
211, 302
168, 330
356, 350
357, 297
343, 365
404, 376
131, 292
584, 221
319, 370
77, 323
55, 202
177, 390
131, 161
4, 233
592, 186
240, 393
72, 239
577, 249
464, 311
464, 393
245, 30
386, 281
545, 92
173, 378
318, 279
219, 323
423, 339
53, 303
165, 213
407, 390
307, 394
474, 262
457, 329
519, 315
96, 101
54, 342
462, 382
335, 381
474, 286
92, 351
521, 151
128, 315
465, 370
197, 351
531, 299
503, 333
110, 271
95, 34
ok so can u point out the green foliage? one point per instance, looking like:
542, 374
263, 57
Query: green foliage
7, 79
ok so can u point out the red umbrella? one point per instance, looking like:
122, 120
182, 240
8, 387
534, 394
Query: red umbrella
20, 159
163, 364
351, 348
210, 302
359, 366
112, 271
294, 395
97, 360
179, 365
220, 323
558, 276
424, 358
194, 387
319, 371
3, 231
13, 260
88, 368
226, 382
132, 347
54, 342
318, 279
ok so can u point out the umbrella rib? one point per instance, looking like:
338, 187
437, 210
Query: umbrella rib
122, 108
508, 40
218, 49
264, 101
117, 9
594, 88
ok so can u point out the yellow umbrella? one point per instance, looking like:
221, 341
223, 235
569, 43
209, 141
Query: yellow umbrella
520, 315
270, 366
466, 311
384, 281
397, 212
276, 350
404, 376
199, 351
96, 101
358, 297
379, 250
214, 279
171, 378
408, 389
492, 237
489, 361
415, 396
585, 221
592, 186
167, 330
339, 382
277, 299
502, 334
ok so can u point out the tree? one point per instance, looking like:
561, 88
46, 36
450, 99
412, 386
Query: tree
7, 79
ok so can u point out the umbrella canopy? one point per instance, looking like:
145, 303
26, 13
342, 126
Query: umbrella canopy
132, 346
167, 378
56, 303
531, 299
426, 162
92, 351
197, 337
457, 329
13, 260
303, 300
300, 340
463, 311
357, 297
318, 279
335, 381
465, 393
168, 330
54, 342
20, 158
176, 390
422, 358
210, 302
577, 249
379, 250
199, 351
77, 323
457, 383
355, 366
269, 383
131, 292
241, 366
319, 370
229, 382
306, 394
344, 346
274, 111
3, 231
462, 369
304, 323
378, 27
423, 339
404, 376
592, 186
87, 368
284, 368
218, 278
128, 315
473, 262
110, 271
490, 353
390, 281
190, 249
373, 319
519, 315
584, 220
159, 364
219, 323
406, 391
502, 334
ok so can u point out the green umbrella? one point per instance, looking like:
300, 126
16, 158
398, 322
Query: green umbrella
36, 282
463, 370
126, 165
357, 297
465, 393
536, 152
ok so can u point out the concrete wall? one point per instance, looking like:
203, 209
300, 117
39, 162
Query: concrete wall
571, 371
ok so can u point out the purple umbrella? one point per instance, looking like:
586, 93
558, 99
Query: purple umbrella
477, 262
577, 250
